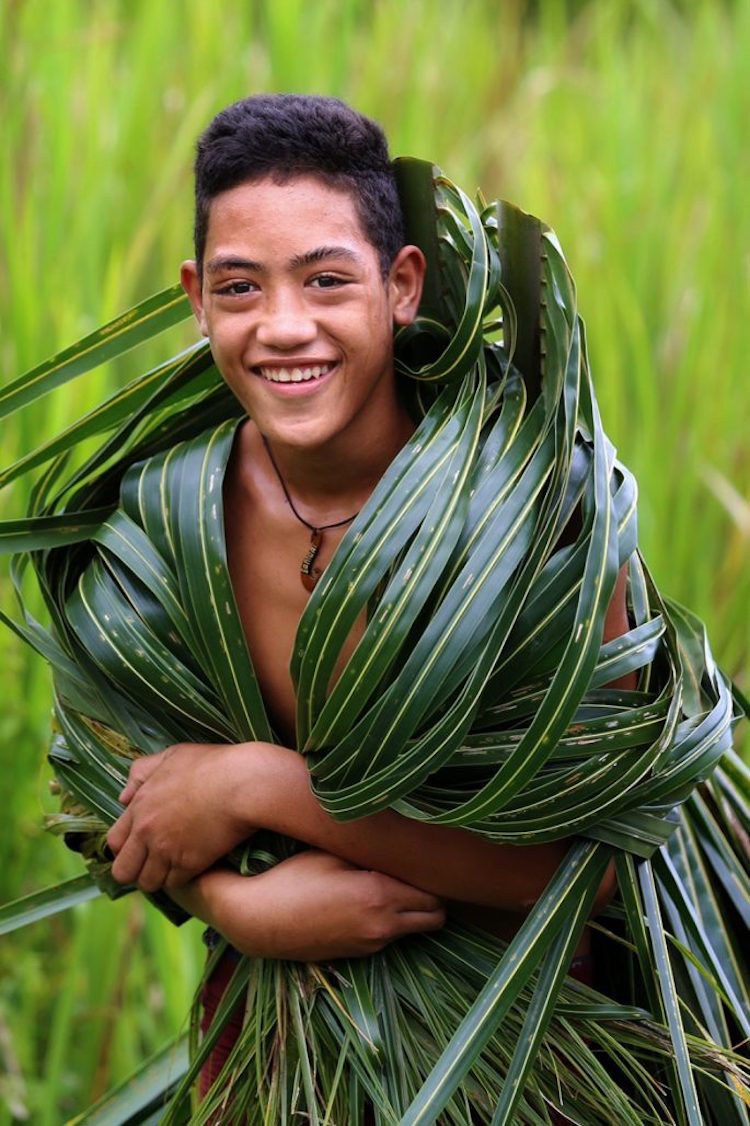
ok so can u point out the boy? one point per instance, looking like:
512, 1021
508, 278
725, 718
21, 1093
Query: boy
300, 275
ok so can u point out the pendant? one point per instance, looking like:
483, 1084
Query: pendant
308, 573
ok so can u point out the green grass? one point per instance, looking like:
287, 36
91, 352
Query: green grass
623, 125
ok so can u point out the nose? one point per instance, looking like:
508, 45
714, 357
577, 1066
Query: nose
285, 323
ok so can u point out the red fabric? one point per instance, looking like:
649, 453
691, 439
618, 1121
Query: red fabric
212, 993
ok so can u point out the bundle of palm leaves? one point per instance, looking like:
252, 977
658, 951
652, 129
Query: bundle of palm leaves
479, 696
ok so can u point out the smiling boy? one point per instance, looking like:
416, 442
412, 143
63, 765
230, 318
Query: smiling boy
300, 276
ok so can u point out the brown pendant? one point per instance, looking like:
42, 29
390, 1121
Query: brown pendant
308, 572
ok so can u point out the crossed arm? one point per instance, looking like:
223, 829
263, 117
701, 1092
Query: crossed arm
360, 885
363, 883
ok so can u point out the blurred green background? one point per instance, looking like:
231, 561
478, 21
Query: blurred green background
622, 124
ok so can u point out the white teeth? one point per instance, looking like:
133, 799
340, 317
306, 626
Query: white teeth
294, 375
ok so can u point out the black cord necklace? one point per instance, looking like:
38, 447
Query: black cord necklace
308, 573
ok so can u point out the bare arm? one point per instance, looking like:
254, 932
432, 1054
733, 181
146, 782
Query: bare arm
189, 815
449, 862
266, 786
311, 907
453, 863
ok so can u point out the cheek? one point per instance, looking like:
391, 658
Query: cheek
377, 344
227, 345
375, 336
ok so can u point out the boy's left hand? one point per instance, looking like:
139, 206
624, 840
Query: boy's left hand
182, 813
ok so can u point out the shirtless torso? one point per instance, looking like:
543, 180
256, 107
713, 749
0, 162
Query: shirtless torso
265, 545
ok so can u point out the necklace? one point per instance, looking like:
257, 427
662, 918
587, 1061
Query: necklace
308, 573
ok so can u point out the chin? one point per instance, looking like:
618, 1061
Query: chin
302, 435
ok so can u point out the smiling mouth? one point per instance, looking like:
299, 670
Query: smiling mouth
294, 374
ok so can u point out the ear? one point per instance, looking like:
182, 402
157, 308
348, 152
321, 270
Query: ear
191, 282
405, 279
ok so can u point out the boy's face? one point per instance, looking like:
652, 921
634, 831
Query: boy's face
298, 314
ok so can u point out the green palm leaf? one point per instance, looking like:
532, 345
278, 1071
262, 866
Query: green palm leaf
540, 1010
118, 407
479, 696
577, 878
688, 1092
37, 532
140, 323
49, 901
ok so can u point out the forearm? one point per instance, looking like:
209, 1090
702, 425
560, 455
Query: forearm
191, 804
202, 896
453, 863
309, 907
448, 862
233, 905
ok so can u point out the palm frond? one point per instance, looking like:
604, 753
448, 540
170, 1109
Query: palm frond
479, 696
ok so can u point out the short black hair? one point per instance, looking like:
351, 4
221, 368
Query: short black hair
286, 135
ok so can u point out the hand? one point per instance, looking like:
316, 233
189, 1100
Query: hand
315, 907
181, 813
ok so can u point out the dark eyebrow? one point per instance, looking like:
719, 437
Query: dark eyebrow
230, 262
321, 253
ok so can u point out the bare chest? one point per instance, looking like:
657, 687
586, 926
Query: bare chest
264, 558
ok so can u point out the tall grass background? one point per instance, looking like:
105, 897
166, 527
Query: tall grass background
623, 125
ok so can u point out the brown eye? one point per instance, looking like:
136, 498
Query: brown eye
327, 281
237, 289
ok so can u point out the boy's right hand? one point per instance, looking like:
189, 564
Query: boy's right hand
315, 907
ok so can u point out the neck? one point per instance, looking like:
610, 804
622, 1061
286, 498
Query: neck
333, 481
